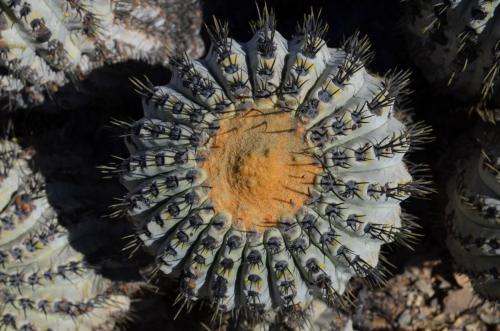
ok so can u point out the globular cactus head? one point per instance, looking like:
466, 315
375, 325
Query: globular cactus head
44, 283
270, 172
473, 212
46, 44
456, 44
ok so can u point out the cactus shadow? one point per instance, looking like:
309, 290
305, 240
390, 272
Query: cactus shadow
72, 135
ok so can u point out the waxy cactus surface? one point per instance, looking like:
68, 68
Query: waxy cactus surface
44, 283
473, 213
46, 44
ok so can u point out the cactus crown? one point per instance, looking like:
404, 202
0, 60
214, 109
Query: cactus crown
271, 171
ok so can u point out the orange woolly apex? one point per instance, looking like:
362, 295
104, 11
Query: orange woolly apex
257, 170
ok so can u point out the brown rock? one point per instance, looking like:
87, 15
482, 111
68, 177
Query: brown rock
462, 280
425, 287
405, 318
458, 301
379, 323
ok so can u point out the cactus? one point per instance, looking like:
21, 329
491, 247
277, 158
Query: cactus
456, 44
473, 212
270, 172
45, 44
44, 283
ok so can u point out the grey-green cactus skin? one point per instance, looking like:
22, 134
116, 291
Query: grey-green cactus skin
473, 212
456, 44
44, 283
351, 128
46, 44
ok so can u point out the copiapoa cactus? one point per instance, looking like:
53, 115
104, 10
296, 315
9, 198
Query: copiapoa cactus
456, 44
473, 213
44, 283
45, 44
270, 172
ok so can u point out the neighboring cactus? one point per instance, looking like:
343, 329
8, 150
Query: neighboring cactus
473, 218
45, 44
44, 283
270, 172
456, 44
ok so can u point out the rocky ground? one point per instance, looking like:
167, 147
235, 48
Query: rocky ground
428, 295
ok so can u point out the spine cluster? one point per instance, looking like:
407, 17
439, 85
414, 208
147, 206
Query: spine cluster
457, 45
473, 218
44, 283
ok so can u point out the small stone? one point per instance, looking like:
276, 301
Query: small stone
440, 319
490, 315
379, 323
443, 283
410, 300
425, 311
425, 287
475, 327
462, 280
404, 319
459, 322
458, 301
419, 301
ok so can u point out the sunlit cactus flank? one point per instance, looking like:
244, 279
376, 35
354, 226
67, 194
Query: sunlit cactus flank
456, 44
45, 44
473, 218
270, 172
44, 283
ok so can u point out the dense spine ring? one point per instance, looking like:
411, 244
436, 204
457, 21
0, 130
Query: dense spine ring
44, 283
271, 171
473, 213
